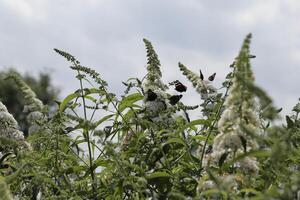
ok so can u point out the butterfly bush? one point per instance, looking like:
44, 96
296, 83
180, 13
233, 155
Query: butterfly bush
33, 106
150, 153
237, 121
153, 83
158, 108
239, 117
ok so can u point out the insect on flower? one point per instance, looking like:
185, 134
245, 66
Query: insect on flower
174, 99
201, 75
212, 77
151, 96
179, 87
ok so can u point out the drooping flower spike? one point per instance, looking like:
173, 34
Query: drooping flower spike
33, 106
203, 87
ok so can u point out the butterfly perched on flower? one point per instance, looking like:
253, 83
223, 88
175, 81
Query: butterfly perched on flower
174, 99
201, 75
212, 77
151, 96
179, 87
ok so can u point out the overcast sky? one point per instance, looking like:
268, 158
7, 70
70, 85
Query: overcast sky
107, 36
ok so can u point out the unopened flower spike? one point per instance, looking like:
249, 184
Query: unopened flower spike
153, 78
32, 103
155, 90
86, 70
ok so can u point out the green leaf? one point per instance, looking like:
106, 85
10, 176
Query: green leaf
193, 123
200, 137
155, 175
250, 191
103, 119
77, 94
213, 192
10, 178
80, 141
129, 100
91, 98
176, 195
100, 163
66, 100
129, 114
176, 140
75, 169
94, 91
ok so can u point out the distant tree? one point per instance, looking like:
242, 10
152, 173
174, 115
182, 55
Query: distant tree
12, 98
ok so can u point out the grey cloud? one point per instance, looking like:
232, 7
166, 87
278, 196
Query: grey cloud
107, 35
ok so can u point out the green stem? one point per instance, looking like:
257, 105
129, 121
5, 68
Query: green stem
119, 113
215, 121
56, 155
87, 136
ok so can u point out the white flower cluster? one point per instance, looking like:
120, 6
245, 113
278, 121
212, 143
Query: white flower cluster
249, 165
239, 122
157, 105
8, 125
160, 109
238, 127
33, 106
33, 118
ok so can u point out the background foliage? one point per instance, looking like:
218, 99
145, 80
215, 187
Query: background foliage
13, 99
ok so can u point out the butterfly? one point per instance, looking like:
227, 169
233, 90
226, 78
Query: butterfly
212, 77
151, 96
174, 99
180, 87
201, 75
